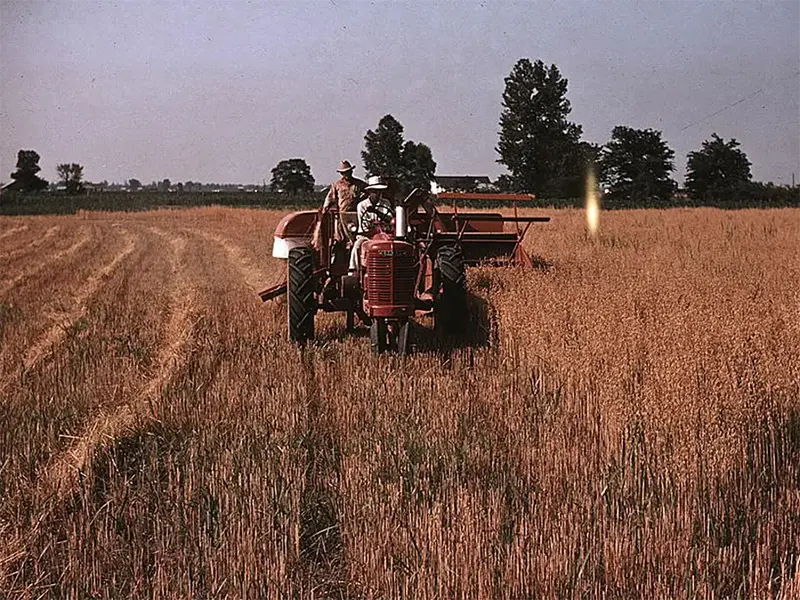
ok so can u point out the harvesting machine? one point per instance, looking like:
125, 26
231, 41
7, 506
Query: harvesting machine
412, 267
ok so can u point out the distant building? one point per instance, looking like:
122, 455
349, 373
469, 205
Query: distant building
461, 183
681, 195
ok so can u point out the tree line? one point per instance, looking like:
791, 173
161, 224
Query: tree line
386, 153
545, 155
540, 147
70, 180
26, 177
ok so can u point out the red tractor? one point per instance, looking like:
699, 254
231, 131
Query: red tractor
413, 267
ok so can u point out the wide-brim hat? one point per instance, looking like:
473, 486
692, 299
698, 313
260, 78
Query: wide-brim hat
345, 166
376, 183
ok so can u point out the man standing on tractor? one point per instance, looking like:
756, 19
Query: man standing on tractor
374, 212
344, 193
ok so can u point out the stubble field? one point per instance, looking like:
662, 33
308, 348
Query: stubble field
622, 422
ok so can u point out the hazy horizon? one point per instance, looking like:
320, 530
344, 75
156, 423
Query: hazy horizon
221, 92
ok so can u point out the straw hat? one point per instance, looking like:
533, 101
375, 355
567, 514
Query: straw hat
375, 183
345, 166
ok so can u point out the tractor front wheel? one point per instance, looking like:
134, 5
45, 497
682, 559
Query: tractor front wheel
301, 299
378, 335
390, 336
403, 339
450, 308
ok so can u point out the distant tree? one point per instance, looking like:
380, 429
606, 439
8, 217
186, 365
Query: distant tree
383, 148
292, 176
635, 166
163, 186
757, 193
577, 163
71, 176
419, 168
134, 185
387, 153
25, 177
719, 171
537, 144
504, 183
193, 186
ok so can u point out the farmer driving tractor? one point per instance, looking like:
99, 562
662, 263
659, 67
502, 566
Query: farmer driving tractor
373, 213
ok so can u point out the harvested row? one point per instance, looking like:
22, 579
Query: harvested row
174, 406
27, 269
253, 276
11, 230
61, 475
75, 375
37, 310
250, 231
70, 316
34, 241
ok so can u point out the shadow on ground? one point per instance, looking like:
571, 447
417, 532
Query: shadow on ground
480, 331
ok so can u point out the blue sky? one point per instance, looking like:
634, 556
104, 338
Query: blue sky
222, 91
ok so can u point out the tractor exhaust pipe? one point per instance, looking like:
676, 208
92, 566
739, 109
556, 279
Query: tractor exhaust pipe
400, 224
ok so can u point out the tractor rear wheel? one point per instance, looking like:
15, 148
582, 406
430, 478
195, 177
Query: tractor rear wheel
450, 308
301, 299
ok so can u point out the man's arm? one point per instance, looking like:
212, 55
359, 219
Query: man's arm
330, 198
384, 211
361, 214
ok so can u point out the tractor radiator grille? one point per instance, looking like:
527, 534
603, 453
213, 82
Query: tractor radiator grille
391, 279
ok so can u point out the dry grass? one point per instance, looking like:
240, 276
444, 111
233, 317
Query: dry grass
631, 428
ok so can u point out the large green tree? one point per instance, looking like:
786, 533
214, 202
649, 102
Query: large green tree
387, 153
383, 148
538, 144
719, 171
635, 166
71, 176
419, 168
292, 176
25, 177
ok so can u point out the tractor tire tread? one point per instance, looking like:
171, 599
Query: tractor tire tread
301, 287
451, 314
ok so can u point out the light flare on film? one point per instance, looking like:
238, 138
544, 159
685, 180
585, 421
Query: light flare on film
592, 203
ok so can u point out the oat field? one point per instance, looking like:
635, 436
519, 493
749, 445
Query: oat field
622, 421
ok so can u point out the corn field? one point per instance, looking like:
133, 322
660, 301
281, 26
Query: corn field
622, 421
